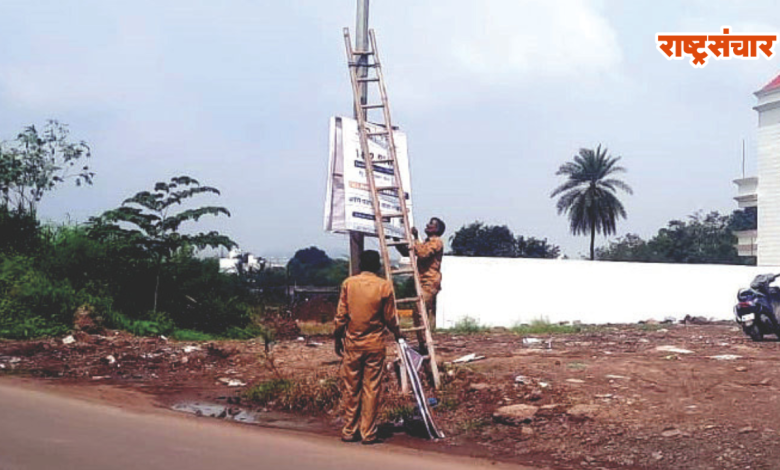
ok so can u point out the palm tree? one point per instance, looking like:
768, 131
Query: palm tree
589, 194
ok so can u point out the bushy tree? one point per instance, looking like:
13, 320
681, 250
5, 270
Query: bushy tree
146, 220
35, 162
498, 241
589, 194
312, 266
701, 239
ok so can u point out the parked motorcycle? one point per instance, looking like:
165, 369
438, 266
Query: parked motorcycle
756, 307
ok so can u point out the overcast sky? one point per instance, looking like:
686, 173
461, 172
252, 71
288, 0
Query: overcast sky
494, 96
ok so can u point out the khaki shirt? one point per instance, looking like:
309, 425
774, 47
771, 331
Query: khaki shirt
366, 308
429, 254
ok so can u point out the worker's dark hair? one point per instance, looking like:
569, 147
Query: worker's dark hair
369, 261
440, 224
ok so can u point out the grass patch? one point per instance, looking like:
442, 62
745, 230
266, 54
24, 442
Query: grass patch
397, 413
576, 366
310, 395
649, 327
540, 327
467, 326
472, 425
191, 335
316, 328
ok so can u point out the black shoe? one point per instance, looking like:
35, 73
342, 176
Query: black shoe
372, 442
350, 439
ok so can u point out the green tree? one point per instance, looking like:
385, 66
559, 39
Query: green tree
588, 196
312, 266
147, 220
498, 241
35, 162
701, 239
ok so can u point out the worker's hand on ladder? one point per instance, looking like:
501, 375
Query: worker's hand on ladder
415, 233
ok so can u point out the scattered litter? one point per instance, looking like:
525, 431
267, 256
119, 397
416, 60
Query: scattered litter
190, 348
544, 385
301, 338
468, 358
673, 349
522, 380
575, 381
111, 359
68, 340
101, 377
725, 357
232, 382
741, 369
746, 430
671, 433
531, 340
163, 337
313, 344
14, 360
2, 366
617, 377
607, 396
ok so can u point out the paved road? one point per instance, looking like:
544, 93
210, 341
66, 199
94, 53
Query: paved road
42, 431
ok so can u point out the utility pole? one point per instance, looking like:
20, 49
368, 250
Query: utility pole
357, 239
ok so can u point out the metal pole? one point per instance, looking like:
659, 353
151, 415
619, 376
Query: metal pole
357, 239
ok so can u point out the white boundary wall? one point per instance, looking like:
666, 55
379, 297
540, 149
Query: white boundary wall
505, 292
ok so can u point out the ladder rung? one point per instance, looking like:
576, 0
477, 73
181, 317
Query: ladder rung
408, 270
358, 64
386, 188
383, 160
368, 79
363, 52
372, 106
398, 243
371, 134
407, 300
392, 215
416, 328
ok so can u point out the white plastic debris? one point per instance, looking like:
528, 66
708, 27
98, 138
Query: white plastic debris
468, 358
163, 337
68, 340
188, 349
232, 382
531, 340
15, 360
725, 357
111, 359
521, 379
313, 344
617, 377
575, 381
673, 349
301, 338
544, 385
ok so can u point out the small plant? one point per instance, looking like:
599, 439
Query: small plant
268, 391
542, 326
397, 413
649, 327
576, 366
472, 425
467, 326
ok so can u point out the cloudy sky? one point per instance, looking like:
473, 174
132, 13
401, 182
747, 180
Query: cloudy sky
494, 96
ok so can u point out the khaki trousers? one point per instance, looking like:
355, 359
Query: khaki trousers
361, 373
429, 297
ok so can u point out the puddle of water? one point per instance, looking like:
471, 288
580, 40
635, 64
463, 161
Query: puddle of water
211, 410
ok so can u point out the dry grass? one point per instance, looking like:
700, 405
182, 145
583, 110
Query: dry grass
316, 328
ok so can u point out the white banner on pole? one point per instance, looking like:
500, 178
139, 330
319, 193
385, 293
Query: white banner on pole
348, 200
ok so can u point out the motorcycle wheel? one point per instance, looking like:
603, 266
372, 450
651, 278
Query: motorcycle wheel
754, 332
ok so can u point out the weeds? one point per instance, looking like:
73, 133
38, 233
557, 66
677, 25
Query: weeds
540, 327
397, 413
471, 425
467, 326
318, 395
191, 335
316, 329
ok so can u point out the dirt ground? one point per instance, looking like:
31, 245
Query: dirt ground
636, 396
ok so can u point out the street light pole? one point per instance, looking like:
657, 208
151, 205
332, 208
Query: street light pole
357, 239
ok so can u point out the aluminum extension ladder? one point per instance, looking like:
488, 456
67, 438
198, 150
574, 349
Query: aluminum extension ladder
360, 63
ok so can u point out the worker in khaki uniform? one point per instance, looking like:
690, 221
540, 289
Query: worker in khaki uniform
366, 308
429, 254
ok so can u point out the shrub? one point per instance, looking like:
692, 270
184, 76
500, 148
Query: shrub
540, 326
468, 326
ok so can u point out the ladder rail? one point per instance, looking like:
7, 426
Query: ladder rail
424, 333
421, 307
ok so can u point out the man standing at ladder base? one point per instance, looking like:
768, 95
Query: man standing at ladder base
366, 308
429, 254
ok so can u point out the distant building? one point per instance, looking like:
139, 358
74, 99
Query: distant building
240, 262
763, 192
